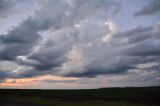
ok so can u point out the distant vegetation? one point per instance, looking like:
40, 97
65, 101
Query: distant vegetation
131, 96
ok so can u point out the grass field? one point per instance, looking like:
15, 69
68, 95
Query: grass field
141, 96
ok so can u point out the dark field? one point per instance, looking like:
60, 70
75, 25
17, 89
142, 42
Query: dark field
141, 96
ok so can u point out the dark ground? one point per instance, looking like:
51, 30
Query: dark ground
141, 96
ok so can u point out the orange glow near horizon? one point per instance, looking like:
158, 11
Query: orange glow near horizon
26, 81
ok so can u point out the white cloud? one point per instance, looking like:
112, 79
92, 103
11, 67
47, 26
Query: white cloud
112, 28
147, 65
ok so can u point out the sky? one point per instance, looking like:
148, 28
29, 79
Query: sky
79, 44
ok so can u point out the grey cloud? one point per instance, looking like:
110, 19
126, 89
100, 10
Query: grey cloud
77, 51
4, 74
149, 9
48, 57
155, 68
142, 42
67, 13
25, 32
6, 8
126, 50
52, 54
144, 50
100, 59
60, 81
93, 72
18, 41
24, 36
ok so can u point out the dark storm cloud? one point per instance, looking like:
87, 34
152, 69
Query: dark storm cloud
130, 48
142, 42
77, 28
57, 14
93, 72
18, 41
4, 74
50, 55
149, 9
25, 35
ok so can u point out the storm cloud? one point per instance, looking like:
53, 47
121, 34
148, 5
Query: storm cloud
78, 38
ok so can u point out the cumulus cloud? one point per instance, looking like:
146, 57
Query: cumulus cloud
21, 41
69, 39
149, 9
126, 50
18, 41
